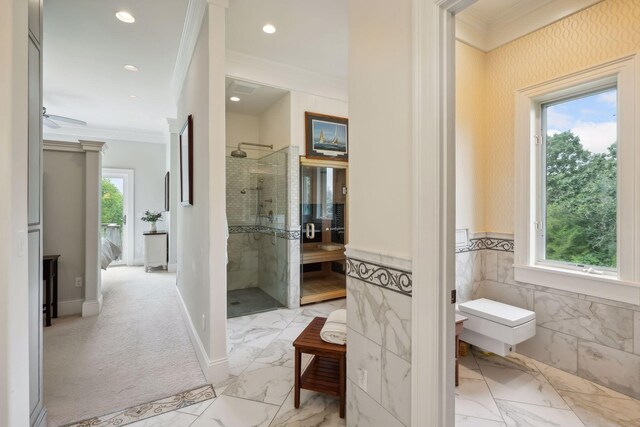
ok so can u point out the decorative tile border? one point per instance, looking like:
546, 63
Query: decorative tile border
379, 275
148, 410
503, 245
261, 229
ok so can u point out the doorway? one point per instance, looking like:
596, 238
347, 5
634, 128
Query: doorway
117, 218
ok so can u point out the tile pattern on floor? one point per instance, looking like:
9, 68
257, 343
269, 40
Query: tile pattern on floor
517, 391
513, 391
259, 391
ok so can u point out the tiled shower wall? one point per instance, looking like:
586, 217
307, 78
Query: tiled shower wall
591, 337
262, 253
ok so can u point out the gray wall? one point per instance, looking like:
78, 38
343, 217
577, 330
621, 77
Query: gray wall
64, 221
193, 221
149, 164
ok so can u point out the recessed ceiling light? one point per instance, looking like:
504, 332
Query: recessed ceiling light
125, 17
129, 67
133, 96
269, 29
234, 99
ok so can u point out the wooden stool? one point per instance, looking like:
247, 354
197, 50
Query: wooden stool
327, 371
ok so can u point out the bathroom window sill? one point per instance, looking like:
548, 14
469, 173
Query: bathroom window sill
579, 282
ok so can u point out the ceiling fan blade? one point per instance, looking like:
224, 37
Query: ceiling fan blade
67, 120
50, 123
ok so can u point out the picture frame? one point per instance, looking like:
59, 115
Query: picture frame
327, 137
167, 185
186, 163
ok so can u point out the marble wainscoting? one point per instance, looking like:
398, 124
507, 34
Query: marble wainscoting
242, 268
594, 338
379, 339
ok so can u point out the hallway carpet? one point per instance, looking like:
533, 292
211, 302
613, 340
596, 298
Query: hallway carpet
137, 350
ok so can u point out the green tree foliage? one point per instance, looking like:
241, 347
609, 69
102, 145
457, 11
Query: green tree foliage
111, 203
581, 190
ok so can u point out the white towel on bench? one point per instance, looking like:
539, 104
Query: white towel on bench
334, 330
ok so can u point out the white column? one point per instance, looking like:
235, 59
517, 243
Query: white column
93, 174
217, 191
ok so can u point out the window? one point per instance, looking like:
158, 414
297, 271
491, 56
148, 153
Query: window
577, 177
578, 190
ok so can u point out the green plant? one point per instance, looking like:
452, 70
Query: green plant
111, 203
152, 216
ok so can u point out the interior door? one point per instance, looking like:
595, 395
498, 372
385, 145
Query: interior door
323, 211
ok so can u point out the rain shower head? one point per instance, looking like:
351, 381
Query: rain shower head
241, 154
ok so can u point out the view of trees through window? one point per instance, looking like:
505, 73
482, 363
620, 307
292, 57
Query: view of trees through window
112, 202
581, 180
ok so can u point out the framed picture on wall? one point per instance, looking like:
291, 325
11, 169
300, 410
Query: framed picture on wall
186, 163
326, 136
167, 184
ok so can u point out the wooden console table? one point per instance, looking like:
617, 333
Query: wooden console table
327, 371
50, 280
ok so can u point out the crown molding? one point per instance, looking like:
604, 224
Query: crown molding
91, 145
75, 133
525, 17
253, 69
74, 147
190, 31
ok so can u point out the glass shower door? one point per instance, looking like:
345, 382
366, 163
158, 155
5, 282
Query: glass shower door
323, 208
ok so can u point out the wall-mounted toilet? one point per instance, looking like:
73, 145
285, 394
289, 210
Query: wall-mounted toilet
496, 327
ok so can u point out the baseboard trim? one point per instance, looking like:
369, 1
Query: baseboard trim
215, 371
92, 307
70, 307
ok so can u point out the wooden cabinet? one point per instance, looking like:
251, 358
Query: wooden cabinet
155, 250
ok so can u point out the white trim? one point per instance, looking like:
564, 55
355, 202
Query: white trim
387, 260
433, 216
527, 105
283, 76
129, 209
172, 268
75, 147
488, 33
69, 307
92, 307
72, 133
214, 371
190, 31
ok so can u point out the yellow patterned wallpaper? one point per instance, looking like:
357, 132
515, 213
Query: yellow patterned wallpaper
603, 32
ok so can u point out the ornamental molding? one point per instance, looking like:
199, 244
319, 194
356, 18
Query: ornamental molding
389, 278
490, 243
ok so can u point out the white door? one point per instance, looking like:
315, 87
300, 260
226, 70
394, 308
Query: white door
117, 212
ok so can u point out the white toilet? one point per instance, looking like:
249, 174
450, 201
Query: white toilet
496, 327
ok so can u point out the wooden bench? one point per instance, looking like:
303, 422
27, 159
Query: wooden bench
327, 371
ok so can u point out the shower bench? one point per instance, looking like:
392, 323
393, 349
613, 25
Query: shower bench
327, 371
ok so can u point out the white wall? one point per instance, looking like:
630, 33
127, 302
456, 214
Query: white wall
275, 124
64, 223
193, 221
149, 164
243, 128
380, 131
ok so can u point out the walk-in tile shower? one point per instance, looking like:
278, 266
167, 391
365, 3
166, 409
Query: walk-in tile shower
261, 236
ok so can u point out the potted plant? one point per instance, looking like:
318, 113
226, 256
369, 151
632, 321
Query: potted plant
152, 218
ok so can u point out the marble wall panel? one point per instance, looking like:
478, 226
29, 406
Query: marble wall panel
367, 356
396, 386
507, 294
553, 348
591, 321
381, 315
363, 411
613, 368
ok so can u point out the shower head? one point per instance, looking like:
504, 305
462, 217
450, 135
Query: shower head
241, 154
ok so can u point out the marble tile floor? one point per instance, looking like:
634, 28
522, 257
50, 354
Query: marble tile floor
259, 392
517, 391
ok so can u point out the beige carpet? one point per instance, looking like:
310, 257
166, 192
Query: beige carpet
136, 351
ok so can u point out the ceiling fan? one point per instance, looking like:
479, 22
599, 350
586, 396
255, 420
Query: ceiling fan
49, 120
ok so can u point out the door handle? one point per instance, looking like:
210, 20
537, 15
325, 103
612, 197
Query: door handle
310, 230
124, 220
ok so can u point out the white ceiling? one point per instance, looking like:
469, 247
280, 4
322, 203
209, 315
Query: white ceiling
85, 48
488, 24
311, 34
254, 104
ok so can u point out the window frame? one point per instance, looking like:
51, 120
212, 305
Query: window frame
624, 284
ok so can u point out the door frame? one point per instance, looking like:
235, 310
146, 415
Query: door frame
433, 221
128, 208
